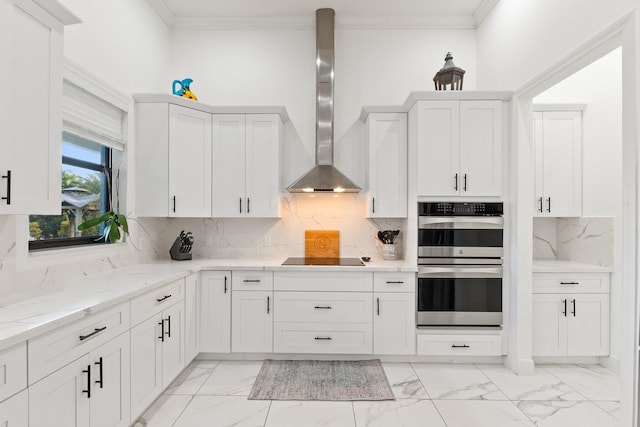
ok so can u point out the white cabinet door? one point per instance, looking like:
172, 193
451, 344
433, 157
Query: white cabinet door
387, 134
173, 344
228, 172
62, 398
480, 148
189, 162
215, 312
252, 321
438, 139
192, 297
30, 109
549, 325
558, 144
15, 410
146, 364
262, 185
110, 391
588, 325
394, 323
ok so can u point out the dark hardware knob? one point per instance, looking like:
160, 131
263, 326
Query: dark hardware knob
455, 187
248, 205
174, 203
573, 302
378, 306
88, 372
459, 346
373, 204
168, 333
240, 204
465, 182
225, 284
161, 337
549, 204
324, 307
8, 178
323, 338
540, 202
95, 331
398, 282
163, 298
564, 301
268, 304
99, 363
569, 283
251, 280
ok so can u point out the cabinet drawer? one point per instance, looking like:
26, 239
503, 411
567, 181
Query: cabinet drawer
323, 307
311, 338
145, 306
459, 345
394, 282
571, 282
348, 281
57, 348
13, 370
252, 280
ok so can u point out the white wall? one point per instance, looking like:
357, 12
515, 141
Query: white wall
126, 45
521, 38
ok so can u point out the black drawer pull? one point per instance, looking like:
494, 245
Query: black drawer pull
168, 333
100, 371
251, 281
323, 307
8, 178
323, 338
95, 331
163, 298
397, 282
161, 337
459, 346
88, 390
569, 283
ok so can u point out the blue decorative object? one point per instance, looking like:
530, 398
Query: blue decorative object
181, 88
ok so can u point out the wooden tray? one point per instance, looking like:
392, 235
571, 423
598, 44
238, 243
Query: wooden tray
322, 243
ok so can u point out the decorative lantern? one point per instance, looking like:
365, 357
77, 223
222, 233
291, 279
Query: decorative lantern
449, 75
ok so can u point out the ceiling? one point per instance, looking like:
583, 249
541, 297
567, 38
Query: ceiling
300, 13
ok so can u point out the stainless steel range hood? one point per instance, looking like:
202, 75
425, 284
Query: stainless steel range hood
324, 176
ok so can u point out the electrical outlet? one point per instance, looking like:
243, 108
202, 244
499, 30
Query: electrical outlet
267, 240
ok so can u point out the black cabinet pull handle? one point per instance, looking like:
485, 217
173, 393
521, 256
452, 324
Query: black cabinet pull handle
248, 205
540, 201
225, 284
174, 203
573, 302
99, 363
163, 298
251, 280
324, 307
95, 331
323, 338
8, 178
168, 333
161, 337
569, 283
455, 187
459, 346
378, 306
268, 304
240, 204
549, 204
373, 204
88, 372
465, 182
396, 282
565, 307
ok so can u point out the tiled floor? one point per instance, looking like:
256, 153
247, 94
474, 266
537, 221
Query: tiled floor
212, 393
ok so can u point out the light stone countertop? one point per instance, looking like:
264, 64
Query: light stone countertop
32, 313
561, 266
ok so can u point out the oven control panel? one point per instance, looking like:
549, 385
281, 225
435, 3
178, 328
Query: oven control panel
460, 209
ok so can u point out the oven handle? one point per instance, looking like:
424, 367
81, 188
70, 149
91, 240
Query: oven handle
463, 222
459, 272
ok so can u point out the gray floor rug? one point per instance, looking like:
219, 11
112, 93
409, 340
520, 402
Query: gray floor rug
321, 380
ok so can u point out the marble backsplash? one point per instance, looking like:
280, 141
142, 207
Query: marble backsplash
584, 239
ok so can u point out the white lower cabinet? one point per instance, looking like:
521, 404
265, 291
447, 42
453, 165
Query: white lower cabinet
15, 410
157, 355
252, 322
91, 391
192, 296
460, 344
215, 312
394, 323
570, 324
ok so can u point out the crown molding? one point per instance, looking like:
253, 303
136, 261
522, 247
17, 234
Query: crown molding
484, 9
163, 11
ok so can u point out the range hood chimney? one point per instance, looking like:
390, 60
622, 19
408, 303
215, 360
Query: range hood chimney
324, 177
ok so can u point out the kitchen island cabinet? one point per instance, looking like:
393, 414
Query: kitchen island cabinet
31, 42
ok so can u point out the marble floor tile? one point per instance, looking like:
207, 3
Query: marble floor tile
539, 386
224, 411
592, 381
190, 380
561, 414
404, 382
477, 413
232, 378
612, 407
451, 381
285, 413
164, 411
398, 413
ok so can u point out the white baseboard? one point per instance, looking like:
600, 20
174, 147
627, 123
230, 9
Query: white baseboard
611, 362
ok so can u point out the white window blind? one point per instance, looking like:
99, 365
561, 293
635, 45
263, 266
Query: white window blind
87, 111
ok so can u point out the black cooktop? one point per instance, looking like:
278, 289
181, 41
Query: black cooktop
349, 262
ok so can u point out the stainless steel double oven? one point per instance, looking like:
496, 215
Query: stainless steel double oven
460, 250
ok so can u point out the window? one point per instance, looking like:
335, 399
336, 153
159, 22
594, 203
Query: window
85, 193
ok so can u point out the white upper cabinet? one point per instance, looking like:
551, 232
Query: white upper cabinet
387, 135
246, 165
31, 65
459, 147
558, 163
